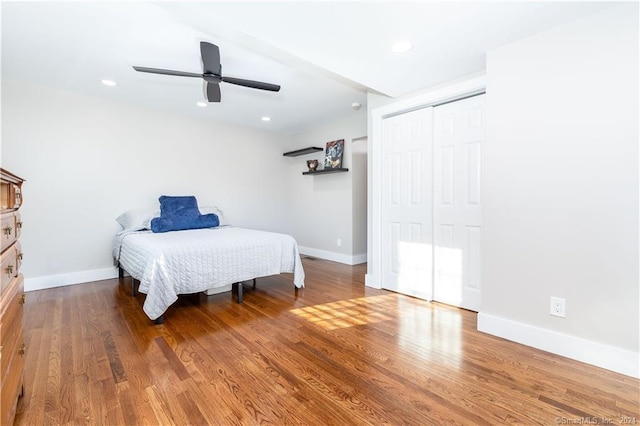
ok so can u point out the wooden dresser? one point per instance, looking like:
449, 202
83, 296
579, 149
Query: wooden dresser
12, 298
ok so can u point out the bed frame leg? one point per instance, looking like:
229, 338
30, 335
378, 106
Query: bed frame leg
159, 320
254, 283
239, 292
134, 292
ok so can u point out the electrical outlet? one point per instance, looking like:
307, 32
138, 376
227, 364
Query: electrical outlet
557, 307
339, 242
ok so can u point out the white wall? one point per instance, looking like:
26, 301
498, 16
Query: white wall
322, 205
561, 190
87, 160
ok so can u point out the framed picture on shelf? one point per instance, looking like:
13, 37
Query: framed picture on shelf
333, 154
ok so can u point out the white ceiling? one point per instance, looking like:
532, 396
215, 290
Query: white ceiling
325, 55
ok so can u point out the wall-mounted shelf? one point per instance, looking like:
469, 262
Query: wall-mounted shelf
303, 151
325, 171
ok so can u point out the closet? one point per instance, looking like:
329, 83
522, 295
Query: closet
431, 194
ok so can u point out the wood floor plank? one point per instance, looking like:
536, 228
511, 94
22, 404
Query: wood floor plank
334, 353
212, 409
160, 406
54, 362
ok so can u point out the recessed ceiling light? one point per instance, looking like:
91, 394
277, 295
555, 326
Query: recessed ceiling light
201, 104
108, 82
401, 46
266, 118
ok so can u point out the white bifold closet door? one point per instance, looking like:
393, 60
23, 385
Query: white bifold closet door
407, 208
458, 134
431, 202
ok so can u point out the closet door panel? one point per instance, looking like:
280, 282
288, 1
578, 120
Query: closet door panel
458, 134
407, 230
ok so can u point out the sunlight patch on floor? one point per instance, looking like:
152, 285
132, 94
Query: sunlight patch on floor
347, 313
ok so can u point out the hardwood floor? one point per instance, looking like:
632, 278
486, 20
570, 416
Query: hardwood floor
338, 353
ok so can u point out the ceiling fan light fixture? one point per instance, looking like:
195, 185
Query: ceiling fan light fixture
402, 46
108, 82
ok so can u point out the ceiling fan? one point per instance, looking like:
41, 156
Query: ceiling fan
212, 74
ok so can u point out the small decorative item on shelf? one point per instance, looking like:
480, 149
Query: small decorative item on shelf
333, 154
312, 165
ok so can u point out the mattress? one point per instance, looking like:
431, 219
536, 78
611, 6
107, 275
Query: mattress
191, 261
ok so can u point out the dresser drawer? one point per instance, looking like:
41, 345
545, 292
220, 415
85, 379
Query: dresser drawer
12, 345
11, 389
7, 229
8, 268
11, 321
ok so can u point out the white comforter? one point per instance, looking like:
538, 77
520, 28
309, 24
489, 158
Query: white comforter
181, 262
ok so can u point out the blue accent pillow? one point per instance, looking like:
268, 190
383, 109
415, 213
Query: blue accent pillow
180, 213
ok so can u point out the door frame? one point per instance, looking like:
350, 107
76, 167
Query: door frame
449, 93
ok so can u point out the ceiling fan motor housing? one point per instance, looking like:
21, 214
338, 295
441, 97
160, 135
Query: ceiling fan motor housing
212, 78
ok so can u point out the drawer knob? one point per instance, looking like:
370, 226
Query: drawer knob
22, 350
23, 299
19, 224
10, 270
8, 230
20, 256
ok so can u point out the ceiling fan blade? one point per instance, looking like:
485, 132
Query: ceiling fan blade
210, 58
167, 72
212, 91
252, 83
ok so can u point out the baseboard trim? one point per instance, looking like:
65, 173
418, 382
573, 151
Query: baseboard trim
359, 258
61, 280
605, 356
335, 257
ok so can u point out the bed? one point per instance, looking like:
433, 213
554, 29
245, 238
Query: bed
196, 260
